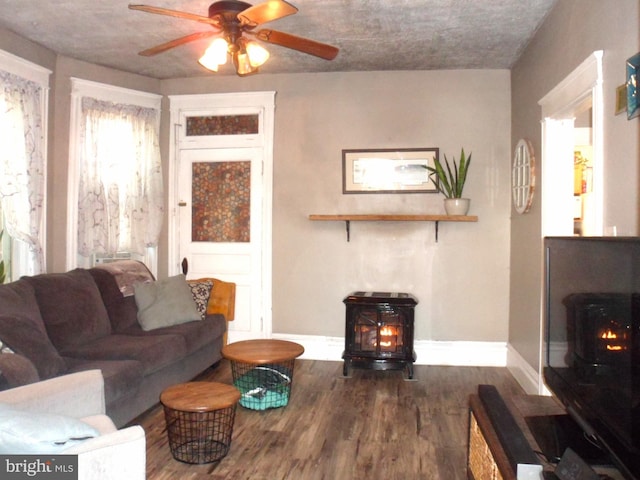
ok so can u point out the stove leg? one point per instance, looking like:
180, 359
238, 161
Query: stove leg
410, 371
345, 368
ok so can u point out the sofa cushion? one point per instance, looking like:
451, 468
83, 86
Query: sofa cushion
121, 377
122, 310
195, 334
28, 337
154, 352
165, 302
16, 370
19, 297
23, 330
24, 432
71, 307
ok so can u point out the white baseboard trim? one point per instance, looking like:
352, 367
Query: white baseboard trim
428, 352
316, 347
525, 374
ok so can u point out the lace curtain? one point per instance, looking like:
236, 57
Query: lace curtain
120, 196
22, 162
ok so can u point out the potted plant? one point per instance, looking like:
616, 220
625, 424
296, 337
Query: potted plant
450, 182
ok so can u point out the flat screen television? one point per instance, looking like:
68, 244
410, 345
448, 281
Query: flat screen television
592, 337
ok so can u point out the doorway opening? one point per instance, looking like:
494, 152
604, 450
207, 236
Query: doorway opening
572, 128
572, 153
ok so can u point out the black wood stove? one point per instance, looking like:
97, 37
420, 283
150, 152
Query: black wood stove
379, 331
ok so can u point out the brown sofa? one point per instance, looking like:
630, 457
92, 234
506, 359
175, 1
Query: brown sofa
62, 323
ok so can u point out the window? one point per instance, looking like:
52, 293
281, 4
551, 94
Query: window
23, 114
117, 210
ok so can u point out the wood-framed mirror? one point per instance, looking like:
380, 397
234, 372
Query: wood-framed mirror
523, 176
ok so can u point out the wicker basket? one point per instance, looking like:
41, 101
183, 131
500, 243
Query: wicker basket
263, 386
199, 437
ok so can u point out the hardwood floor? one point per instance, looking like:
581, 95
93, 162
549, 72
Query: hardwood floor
372, 425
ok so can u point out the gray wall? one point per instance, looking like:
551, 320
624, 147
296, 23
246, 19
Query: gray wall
462, 281
571, 32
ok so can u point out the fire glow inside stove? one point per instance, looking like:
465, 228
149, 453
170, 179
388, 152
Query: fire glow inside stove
379, 331
602, 331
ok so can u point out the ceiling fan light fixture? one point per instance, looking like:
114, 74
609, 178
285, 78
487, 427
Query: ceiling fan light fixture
231, 19
243, 64
215, 55
257, 53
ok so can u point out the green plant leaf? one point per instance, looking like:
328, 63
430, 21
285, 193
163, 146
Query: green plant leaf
443, 180
464, 168
450, 181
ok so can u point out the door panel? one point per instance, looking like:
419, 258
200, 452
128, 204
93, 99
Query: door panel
220, 225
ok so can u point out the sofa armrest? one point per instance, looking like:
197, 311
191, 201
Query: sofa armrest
76, 395
223, 299
114, 456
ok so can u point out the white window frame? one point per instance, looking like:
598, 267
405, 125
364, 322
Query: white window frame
85, 88
30, 71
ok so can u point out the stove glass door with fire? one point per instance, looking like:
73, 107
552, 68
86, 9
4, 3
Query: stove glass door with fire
379, 331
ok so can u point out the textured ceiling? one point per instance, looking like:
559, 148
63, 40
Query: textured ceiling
371, 34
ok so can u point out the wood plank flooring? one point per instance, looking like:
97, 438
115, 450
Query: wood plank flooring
372, 425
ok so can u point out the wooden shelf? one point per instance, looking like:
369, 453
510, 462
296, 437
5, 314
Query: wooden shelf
348, 218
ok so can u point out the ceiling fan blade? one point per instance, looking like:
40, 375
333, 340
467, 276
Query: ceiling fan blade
176, 13
175, 43
266, 12
304, 45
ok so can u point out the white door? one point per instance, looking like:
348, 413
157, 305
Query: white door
220, 198
220, 223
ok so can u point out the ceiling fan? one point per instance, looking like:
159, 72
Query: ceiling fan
232, 22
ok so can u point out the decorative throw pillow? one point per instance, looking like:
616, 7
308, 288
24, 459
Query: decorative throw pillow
201, 292
24, 432
165, 302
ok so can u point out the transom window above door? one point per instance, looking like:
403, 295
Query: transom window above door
207, 125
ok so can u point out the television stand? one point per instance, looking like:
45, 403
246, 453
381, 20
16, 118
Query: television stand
491, 452
555, 433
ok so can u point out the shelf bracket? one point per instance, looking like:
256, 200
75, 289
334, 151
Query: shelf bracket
347, 224
436, 222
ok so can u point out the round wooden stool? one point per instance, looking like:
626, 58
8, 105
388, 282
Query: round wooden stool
263, 371
199, 418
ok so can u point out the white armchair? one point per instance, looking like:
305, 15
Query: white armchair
114, 454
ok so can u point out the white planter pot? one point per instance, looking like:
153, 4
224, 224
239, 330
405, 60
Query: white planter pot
456, 206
